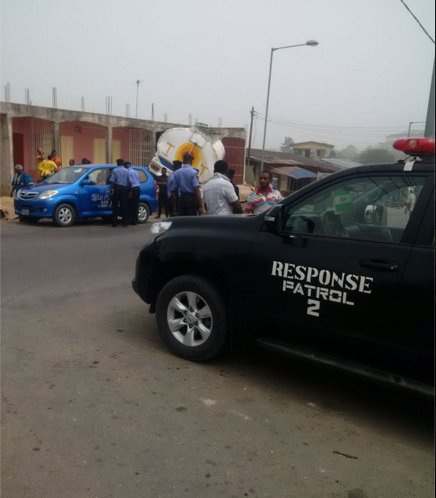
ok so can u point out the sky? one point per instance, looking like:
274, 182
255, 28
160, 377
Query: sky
369, 77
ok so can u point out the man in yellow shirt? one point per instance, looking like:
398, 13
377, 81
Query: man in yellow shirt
46, 168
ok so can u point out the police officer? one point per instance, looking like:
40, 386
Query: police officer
186, 182
134, 194
120, 187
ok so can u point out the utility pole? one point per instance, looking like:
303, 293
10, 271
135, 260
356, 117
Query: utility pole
251, 136
83, 104
429, 126
152, 112
137, 96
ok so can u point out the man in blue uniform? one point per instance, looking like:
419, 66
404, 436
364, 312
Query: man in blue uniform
120, 187
134, 195
186, 182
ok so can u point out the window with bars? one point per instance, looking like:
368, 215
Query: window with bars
140, 147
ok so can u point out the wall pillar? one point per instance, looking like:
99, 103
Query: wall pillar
55, 136
109, 135
7, 154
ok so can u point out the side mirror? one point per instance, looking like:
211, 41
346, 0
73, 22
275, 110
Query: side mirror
273, 219
83, 183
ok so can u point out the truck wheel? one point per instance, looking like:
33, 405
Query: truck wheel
64, 215
192, 318
143, 213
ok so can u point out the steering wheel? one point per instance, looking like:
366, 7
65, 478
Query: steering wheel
332, 225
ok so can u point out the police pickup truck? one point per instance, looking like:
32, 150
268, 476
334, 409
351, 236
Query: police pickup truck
340, 273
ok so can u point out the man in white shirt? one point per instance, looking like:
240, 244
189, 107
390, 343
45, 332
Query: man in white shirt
219, 194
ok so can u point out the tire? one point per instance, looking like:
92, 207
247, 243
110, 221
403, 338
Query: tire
184, 337
64, 215
28, 219
143, 213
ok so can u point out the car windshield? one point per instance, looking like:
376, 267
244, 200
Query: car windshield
67, 176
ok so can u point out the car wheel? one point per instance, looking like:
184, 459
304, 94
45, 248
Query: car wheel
143, 213
64, 215
192, 318
29, 219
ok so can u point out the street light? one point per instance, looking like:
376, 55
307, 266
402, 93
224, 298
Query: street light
309, 43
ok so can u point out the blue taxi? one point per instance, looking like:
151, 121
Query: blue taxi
80, 192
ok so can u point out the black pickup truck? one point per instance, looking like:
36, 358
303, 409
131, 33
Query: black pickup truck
341, 273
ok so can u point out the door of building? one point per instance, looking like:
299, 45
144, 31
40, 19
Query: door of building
67, 149
99, 151
18, 144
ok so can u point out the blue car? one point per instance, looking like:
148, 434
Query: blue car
80, 192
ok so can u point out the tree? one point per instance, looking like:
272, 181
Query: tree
373, 155
350, 152
287, 145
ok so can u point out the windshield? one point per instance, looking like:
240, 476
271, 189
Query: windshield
67, 176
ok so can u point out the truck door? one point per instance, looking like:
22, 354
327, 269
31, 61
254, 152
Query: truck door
332, 272
414, 335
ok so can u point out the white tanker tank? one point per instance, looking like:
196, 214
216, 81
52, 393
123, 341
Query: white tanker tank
202, 142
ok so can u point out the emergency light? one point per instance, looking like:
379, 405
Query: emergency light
416, 146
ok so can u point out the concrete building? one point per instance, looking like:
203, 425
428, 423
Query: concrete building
318, 150
98, 137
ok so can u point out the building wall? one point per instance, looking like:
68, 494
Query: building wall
63, 122
22, 126
83, 134
313, 147
122, 134
235, 156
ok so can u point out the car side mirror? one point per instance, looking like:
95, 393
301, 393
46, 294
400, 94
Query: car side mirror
273, 218
83, 183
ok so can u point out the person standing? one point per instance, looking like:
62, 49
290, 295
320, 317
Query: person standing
219, 195
47, 168
186, 181
134, 195
163, 200
57, 160
120, 185
71, 162
231, 174
264, 197
40, 156
172, 192
20, 180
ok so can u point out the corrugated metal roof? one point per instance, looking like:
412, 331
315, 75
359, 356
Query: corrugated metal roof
276, 158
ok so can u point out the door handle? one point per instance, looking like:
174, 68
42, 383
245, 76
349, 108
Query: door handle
381, 266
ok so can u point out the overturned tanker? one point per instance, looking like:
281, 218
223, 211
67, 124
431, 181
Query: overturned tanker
202, 142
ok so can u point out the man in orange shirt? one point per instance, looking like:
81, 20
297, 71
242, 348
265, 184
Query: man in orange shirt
57, 160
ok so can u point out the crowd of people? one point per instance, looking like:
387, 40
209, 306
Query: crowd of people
181, 194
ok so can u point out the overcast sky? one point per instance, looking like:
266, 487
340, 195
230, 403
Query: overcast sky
369, 77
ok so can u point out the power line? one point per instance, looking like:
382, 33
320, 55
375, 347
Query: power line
417, 20
338, 127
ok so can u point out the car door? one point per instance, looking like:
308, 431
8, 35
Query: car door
332, 272
414, 335
95, 196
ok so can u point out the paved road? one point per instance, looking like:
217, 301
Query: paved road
94, 406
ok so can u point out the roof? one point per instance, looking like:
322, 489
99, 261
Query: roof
294, 172
342, 163
313, 142
277, 159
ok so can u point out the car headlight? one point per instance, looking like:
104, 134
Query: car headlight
160, 228
48, 194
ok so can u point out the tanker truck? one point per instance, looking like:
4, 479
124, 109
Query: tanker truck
203, 143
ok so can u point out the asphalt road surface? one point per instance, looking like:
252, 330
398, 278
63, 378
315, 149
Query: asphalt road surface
94, 406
